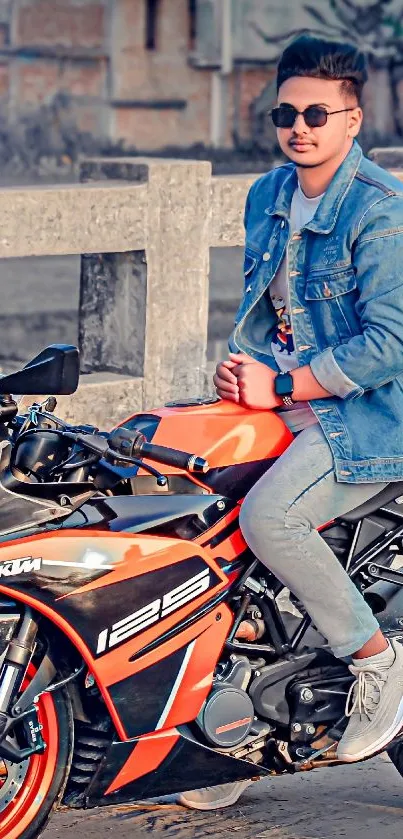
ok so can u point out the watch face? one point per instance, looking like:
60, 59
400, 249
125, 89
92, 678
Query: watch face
284, 384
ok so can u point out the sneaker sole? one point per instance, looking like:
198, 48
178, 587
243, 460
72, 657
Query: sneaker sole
214, 805
379, 744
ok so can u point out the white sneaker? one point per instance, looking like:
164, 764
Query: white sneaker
206, 798
375, 707
213, 798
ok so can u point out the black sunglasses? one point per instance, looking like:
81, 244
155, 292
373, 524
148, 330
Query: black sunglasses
314, 115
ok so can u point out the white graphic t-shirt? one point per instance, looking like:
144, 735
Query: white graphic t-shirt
303, 209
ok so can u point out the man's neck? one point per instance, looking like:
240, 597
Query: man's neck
315, 181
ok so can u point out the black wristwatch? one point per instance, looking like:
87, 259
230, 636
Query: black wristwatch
284, 387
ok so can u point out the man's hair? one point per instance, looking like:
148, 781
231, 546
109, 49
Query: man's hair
318, 58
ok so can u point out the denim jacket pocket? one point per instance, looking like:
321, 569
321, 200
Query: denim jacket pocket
251, 259
331, 297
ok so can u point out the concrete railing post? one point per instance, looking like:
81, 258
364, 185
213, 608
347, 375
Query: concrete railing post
145, 313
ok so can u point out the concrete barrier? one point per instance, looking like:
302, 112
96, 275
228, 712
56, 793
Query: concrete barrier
143, 228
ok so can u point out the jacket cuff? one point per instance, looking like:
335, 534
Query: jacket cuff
328, 373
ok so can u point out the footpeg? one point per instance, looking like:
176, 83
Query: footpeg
304, 763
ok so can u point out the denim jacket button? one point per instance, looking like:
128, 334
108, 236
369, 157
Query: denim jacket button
266, 257
249, 288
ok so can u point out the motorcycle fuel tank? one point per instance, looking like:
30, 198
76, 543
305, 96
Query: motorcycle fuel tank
224, 433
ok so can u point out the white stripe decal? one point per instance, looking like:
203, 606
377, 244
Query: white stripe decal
79, 565
176, 686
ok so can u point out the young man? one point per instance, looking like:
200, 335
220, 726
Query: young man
319, 337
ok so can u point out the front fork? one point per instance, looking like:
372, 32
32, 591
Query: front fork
14, 667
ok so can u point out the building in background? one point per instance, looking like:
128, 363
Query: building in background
158, 72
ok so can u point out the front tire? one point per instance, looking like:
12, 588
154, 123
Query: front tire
29, 792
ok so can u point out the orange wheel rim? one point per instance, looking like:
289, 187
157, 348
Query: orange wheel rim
27, 802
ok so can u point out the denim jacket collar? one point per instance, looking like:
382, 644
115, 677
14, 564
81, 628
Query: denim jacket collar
326, 216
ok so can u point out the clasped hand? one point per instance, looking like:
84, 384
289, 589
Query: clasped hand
247, 382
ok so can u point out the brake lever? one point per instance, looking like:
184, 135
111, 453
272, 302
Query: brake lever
134, 461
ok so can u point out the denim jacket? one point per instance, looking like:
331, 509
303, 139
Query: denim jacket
345, 271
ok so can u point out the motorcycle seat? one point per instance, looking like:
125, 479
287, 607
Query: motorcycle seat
390, 493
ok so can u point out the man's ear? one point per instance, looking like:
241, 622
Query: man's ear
355, 119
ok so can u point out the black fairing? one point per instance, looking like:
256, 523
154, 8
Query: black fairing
146, 423
189, 765
181, 516
19, 510
235, 481
156, 680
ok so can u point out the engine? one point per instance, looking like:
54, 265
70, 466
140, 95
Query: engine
227, 715
293, 700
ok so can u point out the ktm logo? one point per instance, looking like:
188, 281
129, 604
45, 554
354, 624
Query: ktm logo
26, 565
159, 608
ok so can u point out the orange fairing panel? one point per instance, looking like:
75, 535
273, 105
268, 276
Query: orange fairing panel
147, 756
223, 433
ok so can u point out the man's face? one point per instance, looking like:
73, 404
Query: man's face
310, 147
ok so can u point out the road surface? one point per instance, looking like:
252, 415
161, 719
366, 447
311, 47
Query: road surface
357, 802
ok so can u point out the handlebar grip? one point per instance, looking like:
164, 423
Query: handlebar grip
131, 444
173, 457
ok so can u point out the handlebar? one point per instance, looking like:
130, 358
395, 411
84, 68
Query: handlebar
132, 444
122, 444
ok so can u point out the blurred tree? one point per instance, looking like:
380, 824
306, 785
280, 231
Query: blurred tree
376, 26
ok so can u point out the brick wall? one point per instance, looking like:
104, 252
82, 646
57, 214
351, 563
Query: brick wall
153, 128
141, 73
251, 84
69, 23
162, 75
37, 80
95, 50
4, 81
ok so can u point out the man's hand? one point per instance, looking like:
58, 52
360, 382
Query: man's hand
226, 382
245, 381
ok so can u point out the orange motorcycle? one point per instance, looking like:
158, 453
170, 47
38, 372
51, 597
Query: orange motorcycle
143, 648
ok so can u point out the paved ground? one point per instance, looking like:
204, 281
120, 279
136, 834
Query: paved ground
349, 802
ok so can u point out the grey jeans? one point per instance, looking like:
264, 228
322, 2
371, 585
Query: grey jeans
278, 519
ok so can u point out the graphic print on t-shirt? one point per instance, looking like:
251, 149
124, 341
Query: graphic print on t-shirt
283, 338
300, 416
